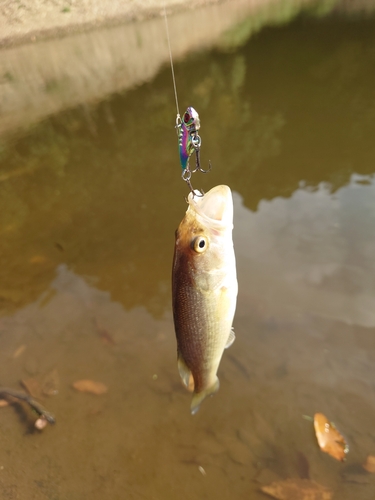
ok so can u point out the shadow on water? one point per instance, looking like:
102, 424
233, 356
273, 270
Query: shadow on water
89, 201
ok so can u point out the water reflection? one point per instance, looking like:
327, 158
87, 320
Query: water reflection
311, 254
98, 187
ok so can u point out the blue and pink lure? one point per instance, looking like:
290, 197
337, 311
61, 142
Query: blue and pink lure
188, 138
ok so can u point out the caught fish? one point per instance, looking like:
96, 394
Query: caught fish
204, 290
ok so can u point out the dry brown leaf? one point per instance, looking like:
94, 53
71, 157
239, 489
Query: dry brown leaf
37, 259
19, 351
297, 489
369, 465
50, 384
86, 385
329, 438
106, 337
33, 387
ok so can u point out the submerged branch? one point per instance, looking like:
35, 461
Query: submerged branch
12, 394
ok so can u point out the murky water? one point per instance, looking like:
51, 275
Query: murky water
90, 199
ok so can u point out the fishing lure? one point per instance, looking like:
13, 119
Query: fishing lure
189, 141
188, 137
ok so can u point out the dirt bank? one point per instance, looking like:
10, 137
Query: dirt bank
23, 21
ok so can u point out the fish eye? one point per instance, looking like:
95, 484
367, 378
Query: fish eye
199, 244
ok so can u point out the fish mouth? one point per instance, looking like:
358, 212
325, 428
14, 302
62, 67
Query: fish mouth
216, 206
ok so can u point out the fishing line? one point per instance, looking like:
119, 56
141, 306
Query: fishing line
170, 57
189, 140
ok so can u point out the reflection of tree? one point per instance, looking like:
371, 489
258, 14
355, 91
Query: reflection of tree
99, 187
243, 131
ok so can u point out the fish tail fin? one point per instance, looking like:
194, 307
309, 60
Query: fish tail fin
198, 397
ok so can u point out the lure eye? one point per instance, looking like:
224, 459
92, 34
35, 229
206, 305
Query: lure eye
200, 244
186, 117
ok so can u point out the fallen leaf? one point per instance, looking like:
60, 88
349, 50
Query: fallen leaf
106, 337
33, 387
297, 489
369, 465
91, 386
50, 384
3, 402
329, 438
37, 259
19, 351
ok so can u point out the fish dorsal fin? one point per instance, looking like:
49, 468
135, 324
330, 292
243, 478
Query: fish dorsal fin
231, 339
185, 373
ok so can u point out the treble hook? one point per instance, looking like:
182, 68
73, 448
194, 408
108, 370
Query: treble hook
198, 163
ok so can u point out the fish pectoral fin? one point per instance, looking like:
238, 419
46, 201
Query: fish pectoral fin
200, 396
231, 338
185, 373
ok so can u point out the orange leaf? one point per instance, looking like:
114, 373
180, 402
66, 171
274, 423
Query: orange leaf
297, 489
329, 438
91, 386
369, 465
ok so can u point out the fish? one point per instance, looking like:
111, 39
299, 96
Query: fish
204, 290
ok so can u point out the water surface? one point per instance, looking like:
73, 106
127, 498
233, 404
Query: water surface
90, 199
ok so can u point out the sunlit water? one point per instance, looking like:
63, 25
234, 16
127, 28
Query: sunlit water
90, 199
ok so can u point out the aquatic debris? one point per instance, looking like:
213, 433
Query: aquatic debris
42, 386
20, 350
204, 290
369, 465
41, 423
86, 385
50, 383
33, 387
11, 395
329, 438
202, 471
297, 489
38, 259
104, 335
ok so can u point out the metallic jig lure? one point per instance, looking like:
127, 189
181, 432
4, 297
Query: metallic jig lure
188, 137
189, 141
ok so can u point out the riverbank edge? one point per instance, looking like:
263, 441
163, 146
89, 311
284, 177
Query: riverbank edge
139, 11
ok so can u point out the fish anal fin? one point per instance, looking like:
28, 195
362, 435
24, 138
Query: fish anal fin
185, 373
231, 338
198, 397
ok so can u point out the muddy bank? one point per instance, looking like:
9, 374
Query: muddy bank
34, 20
